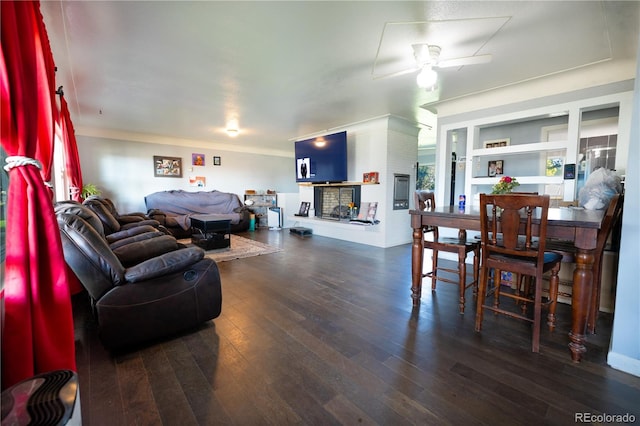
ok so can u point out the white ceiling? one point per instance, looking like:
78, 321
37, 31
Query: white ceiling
174, 71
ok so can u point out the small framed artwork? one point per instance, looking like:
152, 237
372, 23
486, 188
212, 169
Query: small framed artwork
199, 181
167, 166
197, 159
569, 171
217, 161
554, 166
304, 209
497, 143
495, 168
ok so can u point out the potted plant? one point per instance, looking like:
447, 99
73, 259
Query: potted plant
89, 189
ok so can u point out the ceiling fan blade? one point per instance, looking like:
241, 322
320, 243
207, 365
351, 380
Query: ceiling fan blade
468, 60
397, 73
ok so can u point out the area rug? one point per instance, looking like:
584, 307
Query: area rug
240, 248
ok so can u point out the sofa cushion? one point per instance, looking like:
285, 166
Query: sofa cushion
180, 205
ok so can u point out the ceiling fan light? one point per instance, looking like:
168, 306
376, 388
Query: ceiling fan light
427, 78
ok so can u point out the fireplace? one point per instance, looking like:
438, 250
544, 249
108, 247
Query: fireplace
332, 202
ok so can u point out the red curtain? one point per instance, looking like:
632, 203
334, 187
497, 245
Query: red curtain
72, 161
37, 333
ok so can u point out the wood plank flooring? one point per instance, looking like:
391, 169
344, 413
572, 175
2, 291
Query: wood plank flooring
324, 333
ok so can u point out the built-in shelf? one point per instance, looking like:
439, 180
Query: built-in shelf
338, 183
333, 224
523, 180
520, 149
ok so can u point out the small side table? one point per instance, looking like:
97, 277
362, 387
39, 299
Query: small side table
210, 232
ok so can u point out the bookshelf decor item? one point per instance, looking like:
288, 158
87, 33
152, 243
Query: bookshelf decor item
554, 166
304, 209
495, 168
569, 171
167, 166
497, 143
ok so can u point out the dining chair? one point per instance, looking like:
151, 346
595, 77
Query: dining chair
425, 201
568, 251
511, 242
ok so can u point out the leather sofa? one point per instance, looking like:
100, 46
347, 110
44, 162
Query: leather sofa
129, 245
173, 209
155, 298
113, 221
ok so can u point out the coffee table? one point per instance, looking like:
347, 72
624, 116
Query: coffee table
210, 232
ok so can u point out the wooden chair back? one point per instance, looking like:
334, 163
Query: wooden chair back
611, 218
426, 201
508, 229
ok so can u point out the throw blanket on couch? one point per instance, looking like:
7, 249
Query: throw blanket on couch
181, 205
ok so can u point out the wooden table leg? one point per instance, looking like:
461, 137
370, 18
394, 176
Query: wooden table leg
417, 254
580, 302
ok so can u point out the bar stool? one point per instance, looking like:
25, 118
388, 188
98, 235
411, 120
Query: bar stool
425, 200
511, 217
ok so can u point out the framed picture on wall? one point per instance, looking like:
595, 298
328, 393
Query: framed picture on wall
197, 159
217, 161
167, 166
495, 168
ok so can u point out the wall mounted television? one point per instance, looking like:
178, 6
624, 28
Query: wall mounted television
322, 159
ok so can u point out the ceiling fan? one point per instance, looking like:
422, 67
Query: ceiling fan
428, 59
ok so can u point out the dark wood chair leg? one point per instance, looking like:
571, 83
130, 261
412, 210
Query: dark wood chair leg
554, 282
497, 282
537, 313
476, 273
462, 277
434, 275
482, 294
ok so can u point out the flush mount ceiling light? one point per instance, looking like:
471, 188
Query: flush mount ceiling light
427, 78
233, 132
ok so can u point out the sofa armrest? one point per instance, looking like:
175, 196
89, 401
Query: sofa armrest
150, 222
135, 238
139, 251
130, 232
131, 218
164, 264
159, 215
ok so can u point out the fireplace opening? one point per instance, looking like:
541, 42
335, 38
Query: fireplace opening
332, 202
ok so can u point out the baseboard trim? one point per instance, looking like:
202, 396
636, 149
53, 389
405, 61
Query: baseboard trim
624, 363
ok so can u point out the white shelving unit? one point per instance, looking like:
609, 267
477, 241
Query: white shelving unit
478, 157
524, 157
260, 206
559, 128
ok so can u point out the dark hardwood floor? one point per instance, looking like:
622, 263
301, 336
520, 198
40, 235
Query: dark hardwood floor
324, 333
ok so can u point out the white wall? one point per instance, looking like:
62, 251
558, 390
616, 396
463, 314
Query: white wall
123, 170
624, 353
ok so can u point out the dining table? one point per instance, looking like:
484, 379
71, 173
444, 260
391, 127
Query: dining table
567, 223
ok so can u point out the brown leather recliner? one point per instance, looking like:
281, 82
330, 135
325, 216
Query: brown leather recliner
112, 221
156, 298
122, 218
129, 245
